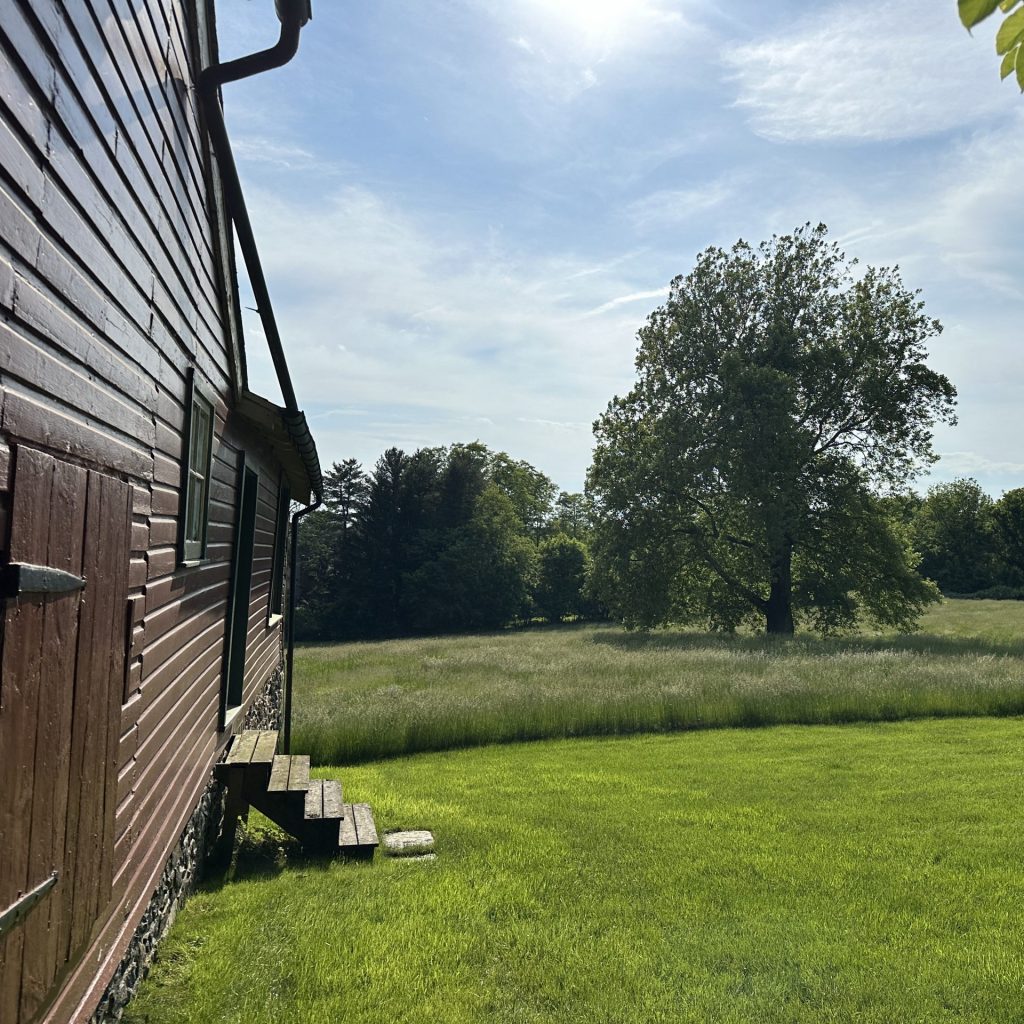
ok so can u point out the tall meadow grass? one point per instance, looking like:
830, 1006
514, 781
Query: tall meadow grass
364, 701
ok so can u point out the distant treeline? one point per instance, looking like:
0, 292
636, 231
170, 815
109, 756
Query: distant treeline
970, 544
462, 538
442, 540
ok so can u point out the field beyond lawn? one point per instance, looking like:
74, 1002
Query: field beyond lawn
362, 701
866, 873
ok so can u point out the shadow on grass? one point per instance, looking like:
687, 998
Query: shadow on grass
811, 646
262, 852
538, 626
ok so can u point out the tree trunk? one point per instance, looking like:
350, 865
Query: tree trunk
779, 610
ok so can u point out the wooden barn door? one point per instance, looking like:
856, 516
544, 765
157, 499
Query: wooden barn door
61, 680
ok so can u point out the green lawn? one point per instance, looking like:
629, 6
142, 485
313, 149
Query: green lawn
866, 873
362, 701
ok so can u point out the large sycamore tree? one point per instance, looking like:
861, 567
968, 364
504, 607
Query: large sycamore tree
777, 397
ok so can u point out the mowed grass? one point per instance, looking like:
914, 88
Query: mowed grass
362, 701
866, 873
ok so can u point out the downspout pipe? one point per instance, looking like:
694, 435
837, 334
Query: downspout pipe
290, 624
293, 15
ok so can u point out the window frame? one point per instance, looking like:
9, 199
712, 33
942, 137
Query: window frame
192, 550
236, 646
275, 605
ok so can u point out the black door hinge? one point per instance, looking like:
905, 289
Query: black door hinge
17, 911
19, 579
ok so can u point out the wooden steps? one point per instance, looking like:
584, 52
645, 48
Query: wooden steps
358, 830
279, 786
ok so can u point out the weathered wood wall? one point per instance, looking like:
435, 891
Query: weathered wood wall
60, 700
110, 290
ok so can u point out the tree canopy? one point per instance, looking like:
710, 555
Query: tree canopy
777, 395
954, 531
1009, 37
443, 539
1008, 520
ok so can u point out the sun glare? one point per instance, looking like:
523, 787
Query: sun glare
595, 22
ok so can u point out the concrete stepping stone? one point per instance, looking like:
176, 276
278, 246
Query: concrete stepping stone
415, 844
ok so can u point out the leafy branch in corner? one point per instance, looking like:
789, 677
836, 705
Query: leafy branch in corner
1009, 38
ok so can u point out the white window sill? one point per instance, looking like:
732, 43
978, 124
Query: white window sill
230, 716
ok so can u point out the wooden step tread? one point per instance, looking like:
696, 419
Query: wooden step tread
289, 773
324, 800
253, 747
357, 830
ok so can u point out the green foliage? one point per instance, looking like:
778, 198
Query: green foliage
1000, 592
953, 530
315, 571
345, 490
574, 515
1008, 521
1009, 37
529, 490
736, 482
482, 578
443, 539
563, 577
396, 533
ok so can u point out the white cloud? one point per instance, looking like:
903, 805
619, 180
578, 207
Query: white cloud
977, 219
884, 69
623, 300
973, 464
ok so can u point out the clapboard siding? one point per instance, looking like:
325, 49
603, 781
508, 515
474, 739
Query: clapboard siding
84, 31
110, 297
164, 765
33, 416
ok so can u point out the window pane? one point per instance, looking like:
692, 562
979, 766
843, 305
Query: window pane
200, 435
197, 476
196, 506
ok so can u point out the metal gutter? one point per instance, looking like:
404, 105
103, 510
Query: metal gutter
293, 15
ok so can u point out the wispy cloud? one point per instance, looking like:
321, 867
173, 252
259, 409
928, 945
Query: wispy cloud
564, 49
973, 464
556, 424
328, 413
623, 300
668, 207
867, 71
464, 207
438, 337
281, 155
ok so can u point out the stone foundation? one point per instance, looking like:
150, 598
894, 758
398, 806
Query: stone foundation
183, 871
265, 711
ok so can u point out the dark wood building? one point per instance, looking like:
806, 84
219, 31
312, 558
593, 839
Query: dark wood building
134, 462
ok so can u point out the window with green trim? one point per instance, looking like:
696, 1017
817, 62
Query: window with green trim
196, 491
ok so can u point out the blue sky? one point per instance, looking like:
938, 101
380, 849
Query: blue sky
466, 208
